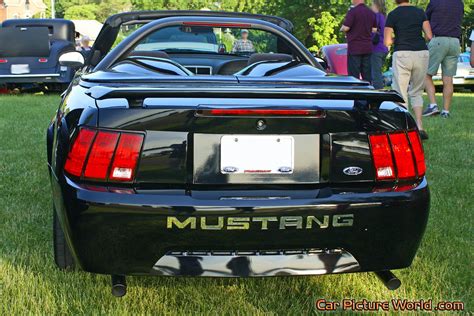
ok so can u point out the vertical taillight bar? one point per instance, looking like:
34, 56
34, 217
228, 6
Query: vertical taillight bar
126, 157
418, 152
382, 155
78, 153
403, 156
98, 163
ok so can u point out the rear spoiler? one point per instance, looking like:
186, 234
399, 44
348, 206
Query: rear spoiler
366, 98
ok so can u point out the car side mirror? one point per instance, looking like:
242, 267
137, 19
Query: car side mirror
72, 59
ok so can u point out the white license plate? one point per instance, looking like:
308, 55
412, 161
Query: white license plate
20, 69
268, 154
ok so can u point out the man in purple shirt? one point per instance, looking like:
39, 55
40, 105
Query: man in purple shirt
359, 24
445, 17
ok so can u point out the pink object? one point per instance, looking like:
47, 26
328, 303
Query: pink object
336, 58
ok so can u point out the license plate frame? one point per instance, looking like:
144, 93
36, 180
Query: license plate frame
257, 154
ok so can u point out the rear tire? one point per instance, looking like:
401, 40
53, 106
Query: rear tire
62, 254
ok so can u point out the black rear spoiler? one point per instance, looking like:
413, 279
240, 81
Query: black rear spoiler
365, 98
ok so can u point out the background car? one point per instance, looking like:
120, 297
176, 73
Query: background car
31, 57
336, 58
464, 77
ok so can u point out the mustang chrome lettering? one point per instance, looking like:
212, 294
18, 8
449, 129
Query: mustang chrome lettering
262, 223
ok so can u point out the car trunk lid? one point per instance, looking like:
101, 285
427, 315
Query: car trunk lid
191, 141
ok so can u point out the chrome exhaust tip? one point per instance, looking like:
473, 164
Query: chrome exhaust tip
119, 285
389, 279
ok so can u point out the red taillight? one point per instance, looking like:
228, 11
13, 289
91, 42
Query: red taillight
43, 60
407, 152
109, 151
260, 112
126, 157
418, 151
382, 155
78, 153
403, 156
101, 155
3, 61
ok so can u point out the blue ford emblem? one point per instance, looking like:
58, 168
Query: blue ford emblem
352, 171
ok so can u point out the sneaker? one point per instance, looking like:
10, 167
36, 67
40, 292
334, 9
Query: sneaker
423, 134
445, 114
431, 110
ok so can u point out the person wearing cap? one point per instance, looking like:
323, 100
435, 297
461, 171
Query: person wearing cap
243, 45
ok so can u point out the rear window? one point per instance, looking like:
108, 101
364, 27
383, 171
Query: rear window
206, 39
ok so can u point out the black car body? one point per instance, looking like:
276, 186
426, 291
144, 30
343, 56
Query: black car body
32, 57
138, 156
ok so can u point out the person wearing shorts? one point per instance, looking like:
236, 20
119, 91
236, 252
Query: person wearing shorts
445, 17
410, 57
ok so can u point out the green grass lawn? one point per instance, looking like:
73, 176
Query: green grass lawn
30, 283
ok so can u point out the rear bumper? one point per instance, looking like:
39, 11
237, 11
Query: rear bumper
48, 77
153, 232
457, 81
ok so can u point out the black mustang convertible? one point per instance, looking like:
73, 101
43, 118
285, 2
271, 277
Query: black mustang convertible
213, 144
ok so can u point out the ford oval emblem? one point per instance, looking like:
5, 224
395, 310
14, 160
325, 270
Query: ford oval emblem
352, 171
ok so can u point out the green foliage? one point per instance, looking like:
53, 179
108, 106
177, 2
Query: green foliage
62, 5
107, 8
306, 14
91, 9
83, 12
324, 30
226, 38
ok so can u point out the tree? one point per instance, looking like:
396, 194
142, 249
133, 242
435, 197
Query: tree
324, 30
83, 12
107, 8
62, 5
302, 13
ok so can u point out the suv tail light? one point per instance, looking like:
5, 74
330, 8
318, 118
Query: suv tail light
104, 155
397, 155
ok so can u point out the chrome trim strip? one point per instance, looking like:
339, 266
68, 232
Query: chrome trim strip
30, 75
255, 263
